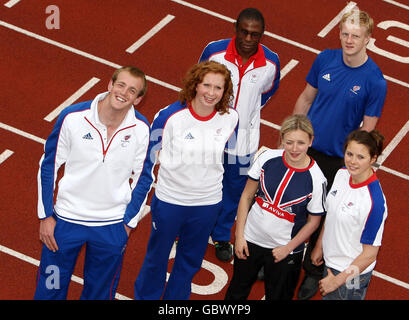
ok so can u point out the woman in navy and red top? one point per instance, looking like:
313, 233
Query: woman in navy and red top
289, 191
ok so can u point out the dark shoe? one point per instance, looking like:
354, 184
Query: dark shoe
224, 251
308, 288
260, 274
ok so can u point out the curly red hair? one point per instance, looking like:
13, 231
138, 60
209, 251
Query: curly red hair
195, 76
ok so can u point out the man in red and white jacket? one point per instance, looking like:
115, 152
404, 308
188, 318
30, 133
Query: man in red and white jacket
255, 73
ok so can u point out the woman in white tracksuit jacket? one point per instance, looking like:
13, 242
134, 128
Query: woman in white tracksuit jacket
190, 136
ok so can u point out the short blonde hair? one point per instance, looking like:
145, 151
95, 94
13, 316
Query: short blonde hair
295, 122
364, 20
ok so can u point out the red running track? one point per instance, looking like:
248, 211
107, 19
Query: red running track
41, 68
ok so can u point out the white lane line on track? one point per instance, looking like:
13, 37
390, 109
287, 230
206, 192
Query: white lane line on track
228, 19
36, 262
399, 41
5, 155
288, 67
21, 133
74, 278
53, 114
150, 33
394, 172
403, 84
79, 280
11, 3
275, 36
79, 52
201, 9
334, 22
394, 143
270, 124
398, 4
390, 279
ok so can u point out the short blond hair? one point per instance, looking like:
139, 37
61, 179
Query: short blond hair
295, 122
364, 18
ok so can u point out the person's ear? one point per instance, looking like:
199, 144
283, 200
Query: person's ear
110, 85
137, 100
312, 139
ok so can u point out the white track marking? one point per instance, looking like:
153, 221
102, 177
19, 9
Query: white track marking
36, 262
398, 41
209, 12
59, 44
292, 42
397, 4
150, 33
334, 22
403, 84
79, 280
392, 145
394, 172
52, 115
19, 255
21, 133
270, 34
80, 53
11, 3
270, 124
390, 279
6, 154
288, 67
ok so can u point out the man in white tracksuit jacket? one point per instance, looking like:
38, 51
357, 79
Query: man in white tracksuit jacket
103, 144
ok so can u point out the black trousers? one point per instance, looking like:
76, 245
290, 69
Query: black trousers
280, 279
329, 166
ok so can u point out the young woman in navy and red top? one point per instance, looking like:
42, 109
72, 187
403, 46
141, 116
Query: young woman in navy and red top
190, 136
289, 191
356, 211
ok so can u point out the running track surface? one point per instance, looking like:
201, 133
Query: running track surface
44, 68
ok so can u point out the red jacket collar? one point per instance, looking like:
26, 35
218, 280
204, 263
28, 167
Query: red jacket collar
198, 117
372, 178
231, 55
